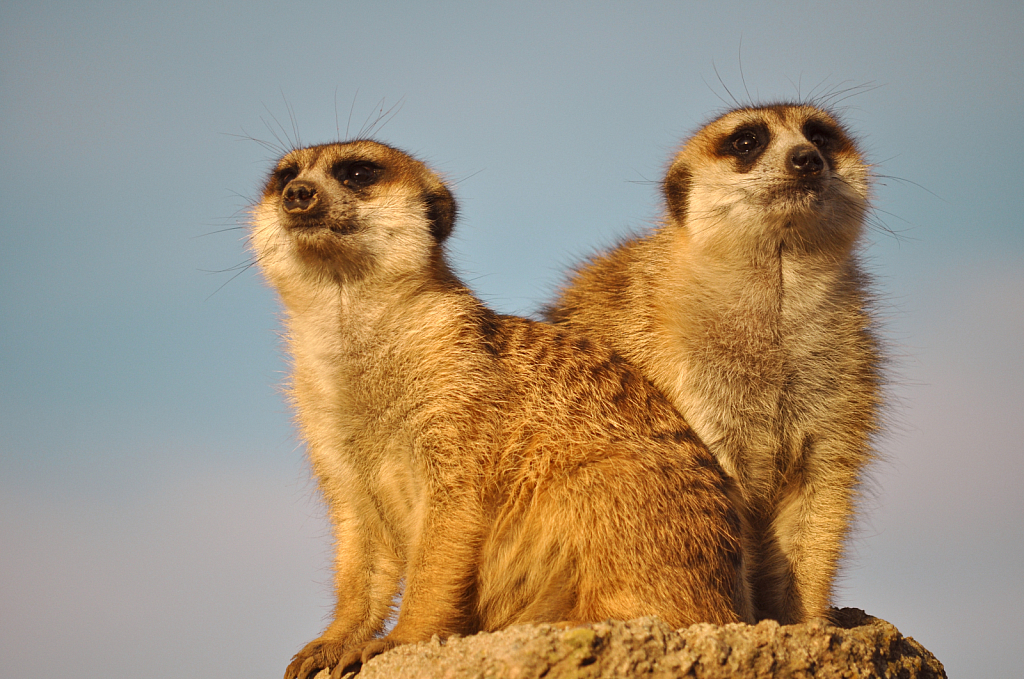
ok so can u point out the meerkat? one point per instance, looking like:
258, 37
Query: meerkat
504, 470
748, 308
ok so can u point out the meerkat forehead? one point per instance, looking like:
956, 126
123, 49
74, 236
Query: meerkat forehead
389, 165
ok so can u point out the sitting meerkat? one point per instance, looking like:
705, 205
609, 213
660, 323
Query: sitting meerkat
748, 308
507, 471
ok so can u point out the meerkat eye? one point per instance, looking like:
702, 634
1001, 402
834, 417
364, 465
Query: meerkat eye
745, 142
358, 175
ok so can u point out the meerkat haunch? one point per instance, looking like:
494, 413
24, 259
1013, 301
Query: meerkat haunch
747, 307
505, 470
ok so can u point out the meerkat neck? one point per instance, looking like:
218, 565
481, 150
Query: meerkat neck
345, 343
704, 285
778, 280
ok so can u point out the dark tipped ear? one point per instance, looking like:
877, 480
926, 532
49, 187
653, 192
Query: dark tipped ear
677, 191
441, 212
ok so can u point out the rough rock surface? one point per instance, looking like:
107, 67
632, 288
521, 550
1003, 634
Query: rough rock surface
857, 646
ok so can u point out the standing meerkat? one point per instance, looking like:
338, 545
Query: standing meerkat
748, 308
505, 470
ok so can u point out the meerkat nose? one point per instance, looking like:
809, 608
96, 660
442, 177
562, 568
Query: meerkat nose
805, 161
300, 196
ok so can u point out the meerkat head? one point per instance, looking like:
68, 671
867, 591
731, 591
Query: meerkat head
766, 177
349, 210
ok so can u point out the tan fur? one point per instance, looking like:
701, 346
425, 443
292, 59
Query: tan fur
748, 309
506, 470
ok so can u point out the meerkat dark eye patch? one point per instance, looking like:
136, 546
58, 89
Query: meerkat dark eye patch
745, 144
284, 175
820, 134
357, 174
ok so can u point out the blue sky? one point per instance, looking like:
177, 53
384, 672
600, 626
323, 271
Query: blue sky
156, 514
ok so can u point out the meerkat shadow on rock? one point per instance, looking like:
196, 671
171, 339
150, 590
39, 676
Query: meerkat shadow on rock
507, 470
748, 308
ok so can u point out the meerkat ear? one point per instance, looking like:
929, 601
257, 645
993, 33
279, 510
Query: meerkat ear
677, 191
441, 212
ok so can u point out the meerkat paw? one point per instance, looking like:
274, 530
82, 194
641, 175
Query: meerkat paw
319, 654
825, 617
355, 658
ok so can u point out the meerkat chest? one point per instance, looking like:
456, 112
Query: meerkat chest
356, 414
752, 358
820, 312
364, 457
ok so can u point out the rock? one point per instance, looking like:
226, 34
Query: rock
856, 646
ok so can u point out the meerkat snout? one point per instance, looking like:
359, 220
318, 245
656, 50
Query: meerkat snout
300, 196
805, 161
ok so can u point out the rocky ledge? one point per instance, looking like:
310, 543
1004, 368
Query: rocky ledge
855, 646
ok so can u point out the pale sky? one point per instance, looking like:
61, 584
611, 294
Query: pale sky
156, 514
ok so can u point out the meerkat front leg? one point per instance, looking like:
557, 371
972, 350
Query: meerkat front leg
811, 523
366, 580
439, 582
